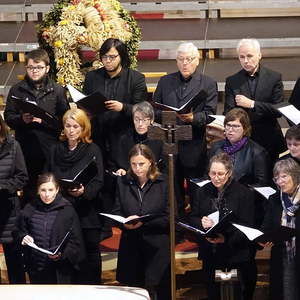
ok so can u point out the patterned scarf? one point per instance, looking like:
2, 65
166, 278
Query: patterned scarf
290, 206
230, 149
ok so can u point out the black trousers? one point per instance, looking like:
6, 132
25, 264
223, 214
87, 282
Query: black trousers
91, 268
14, 263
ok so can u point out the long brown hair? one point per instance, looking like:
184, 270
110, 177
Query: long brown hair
3, 130
141, 149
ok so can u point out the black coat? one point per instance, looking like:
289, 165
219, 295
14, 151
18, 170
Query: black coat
66, 218
36, 139
237, 248
121, 147
63, 166
193, 152
295, 96
272, 221
13, 176
129, 89
251, 163
269, 91
144, 252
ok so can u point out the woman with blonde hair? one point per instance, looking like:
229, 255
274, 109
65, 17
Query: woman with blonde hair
68, 158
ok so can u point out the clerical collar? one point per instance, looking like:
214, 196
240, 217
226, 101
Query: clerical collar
252, 76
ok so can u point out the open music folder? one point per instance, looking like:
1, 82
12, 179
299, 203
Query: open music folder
58, 249
84, 176
219, 225
281, 233
32, 108
93, 103
185, 108
123, 220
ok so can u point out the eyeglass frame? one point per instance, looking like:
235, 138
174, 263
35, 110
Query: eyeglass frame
37, 68
188, 60
218, 175
143, 121
234, 127
110, 57
284, 178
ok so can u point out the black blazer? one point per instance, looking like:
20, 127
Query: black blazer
269, 91
190, 152
295, 96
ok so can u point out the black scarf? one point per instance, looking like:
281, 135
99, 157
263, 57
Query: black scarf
65, 158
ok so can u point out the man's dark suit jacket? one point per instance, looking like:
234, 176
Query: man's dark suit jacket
192, 152
269, 91
295, 97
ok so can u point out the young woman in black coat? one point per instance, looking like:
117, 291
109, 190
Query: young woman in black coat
144, 257
284, 210
65, 160
231, 249
13, 177
46, 222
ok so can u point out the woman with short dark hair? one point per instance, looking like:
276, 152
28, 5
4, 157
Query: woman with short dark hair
230, 249
144, 258
250, 161
283, 209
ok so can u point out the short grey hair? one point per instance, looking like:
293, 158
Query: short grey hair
288, 166
188, 47
251, 42
145, 108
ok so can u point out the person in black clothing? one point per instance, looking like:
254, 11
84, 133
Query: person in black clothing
283, 210
34, 135
295, 96
257, 90
46, 222
65, 160
231, 249
13, 177
292, 138
143, 117
175, 90
118, 83
144, 251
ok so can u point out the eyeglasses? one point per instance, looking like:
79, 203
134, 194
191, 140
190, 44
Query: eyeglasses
232, 126
188, 60
138, 120
283, 178
37, 68
110, 57
218, 174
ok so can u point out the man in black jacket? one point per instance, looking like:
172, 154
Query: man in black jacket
257, 89
178, 88
118, 83
34, 134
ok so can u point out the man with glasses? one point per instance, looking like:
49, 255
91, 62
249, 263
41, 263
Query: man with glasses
257, 89
175, 90
118, 83
35, 135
